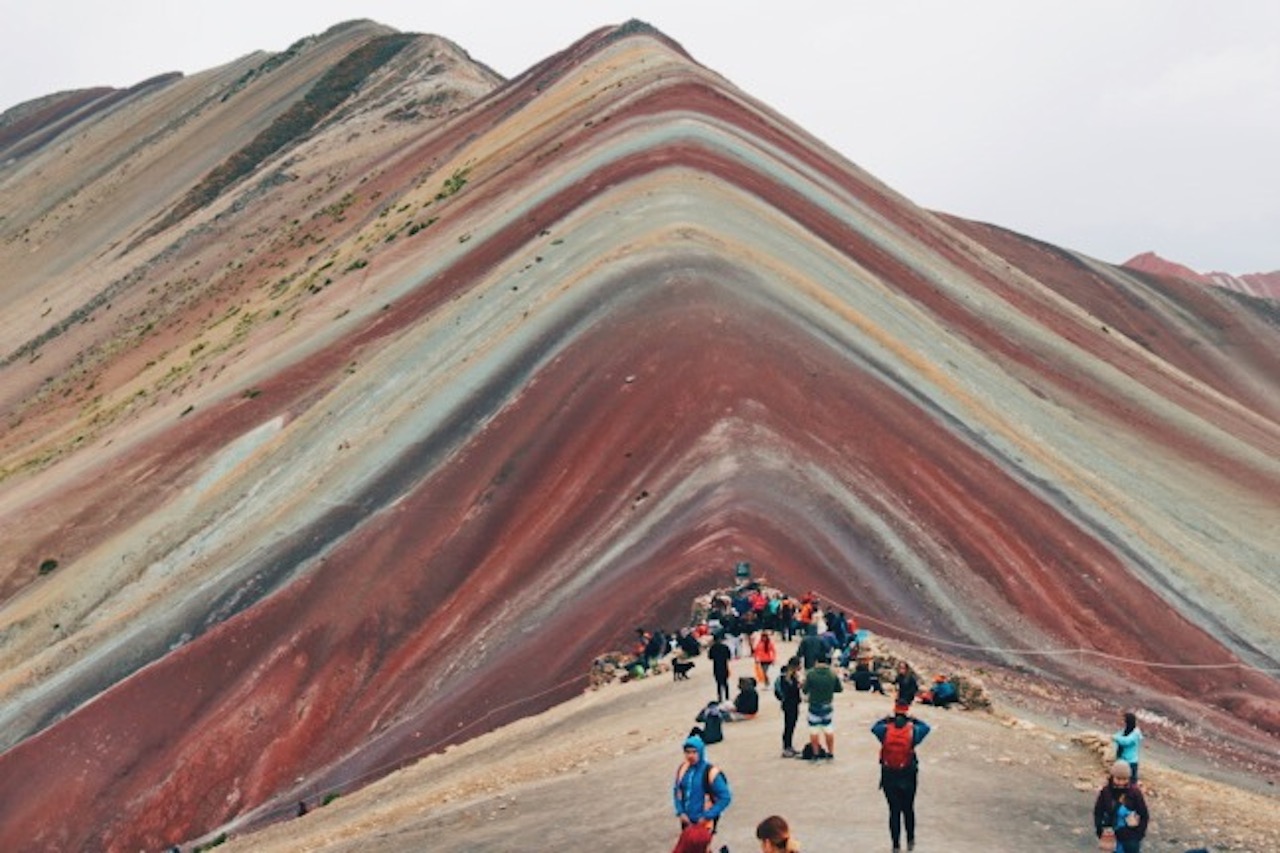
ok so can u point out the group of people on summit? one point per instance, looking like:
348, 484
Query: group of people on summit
701, 792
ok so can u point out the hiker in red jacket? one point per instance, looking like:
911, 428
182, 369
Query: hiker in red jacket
765, 652
899, 735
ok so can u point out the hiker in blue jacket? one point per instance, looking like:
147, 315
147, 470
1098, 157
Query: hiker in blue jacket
696, 801
1128, 743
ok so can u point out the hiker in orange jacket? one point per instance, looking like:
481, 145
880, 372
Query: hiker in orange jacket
765, 653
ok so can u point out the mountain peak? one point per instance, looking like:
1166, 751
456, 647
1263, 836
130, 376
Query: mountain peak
317, 358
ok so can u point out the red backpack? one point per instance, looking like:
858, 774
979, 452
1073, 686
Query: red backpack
898, 748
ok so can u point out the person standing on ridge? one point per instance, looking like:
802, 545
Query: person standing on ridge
787, 618
719, 654
1120, 812
821, 684
810, 648
907, 685
899, 735
700, 795
1128, 744
787, 690
765, 652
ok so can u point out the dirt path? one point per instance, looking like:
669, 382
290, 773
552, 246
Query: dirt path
595, 774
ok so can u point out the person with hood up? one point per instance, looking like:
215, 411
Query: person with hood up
700, 795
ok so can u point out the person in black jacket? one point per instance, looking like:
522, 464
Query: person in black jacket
907, 685
745, 705
788, 693
811, 647
1121, 810
719, 654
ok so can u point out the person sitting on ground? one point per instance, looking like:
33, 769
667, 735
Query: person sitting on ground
775, 836
1120, 812
712, 728
941, 694
745, 705
688, 643
865, 678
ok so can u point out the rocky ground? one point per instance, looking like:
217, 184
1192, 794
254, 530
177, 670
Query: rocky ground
595, 774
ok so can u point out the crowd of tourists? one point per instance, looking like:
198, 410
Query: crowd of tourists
748, 623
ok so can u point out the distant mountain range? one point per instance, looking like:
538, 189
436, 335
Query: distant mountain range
356, 398
1266, 285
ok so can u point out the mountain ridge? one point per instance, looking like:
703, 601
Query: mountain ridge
610, 323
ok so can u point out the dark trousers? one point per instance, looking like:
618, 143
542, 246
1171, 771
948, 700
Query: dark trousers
790, 713
722, 687
900, 794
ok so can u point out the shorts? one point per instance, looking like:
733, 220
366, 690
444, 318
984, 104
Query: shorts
820, 718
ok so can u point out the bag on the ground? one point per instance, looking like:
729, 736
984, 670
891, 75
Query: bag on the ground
899, 746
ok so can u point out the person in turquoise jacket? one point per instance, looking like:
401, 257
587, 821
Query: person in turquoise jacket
1128, 744
701, 791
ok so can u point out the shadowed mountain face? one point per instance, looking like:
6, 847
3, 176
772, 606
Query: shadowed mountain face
355, 399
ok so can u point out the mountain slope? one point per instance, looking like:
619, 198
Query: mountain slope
403, 425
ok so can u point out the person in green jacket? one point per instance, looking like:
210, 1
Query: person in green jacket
821, 684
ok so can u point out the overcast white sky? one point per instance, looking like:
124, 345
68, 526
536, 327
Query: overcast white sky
1107, 126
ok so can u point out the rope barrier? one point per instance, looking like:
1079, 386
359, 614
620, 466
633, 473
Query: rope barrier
1047, 652
386, 768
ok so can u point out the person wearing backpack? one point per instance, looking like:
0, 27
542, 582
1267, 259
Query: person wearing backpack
899, 735
712, 719
701, 794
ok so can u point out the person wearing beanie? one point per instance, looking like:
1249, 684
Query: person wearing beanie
700, 795
1120, 812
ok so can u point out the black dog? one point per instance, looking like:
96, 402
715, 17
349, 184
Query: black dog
680, 670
